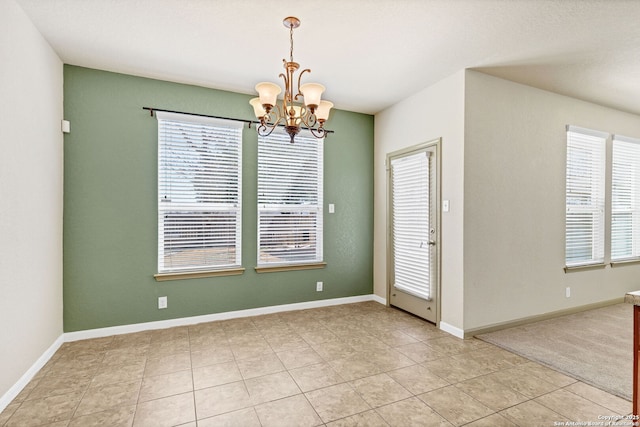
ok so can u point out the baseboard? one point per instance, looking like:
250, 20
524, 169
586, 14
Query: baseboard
31, 372
379, 299
456, 332
468, 333
186, 321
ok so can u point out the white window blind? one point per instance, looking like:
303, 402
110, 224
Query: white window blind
290, 180
199, 193
411, 224
625, 198
585, 196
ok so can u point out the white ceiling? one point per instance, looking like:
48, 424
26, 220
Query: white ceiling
369, 54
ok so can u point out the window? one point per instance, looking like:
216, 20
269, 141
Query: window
289, 200
199, 193
585, 197
625, 199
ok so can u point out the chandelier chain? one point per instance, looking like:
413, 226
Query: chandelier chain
291, 42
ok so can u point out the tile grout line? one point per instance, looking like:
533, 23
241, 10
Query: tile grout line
193, 380
590, 400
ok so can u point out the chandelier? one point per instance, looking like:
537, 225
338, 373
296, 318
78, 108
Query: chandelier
311, 115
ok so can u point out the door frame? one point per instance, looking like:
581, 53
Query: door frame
431, 144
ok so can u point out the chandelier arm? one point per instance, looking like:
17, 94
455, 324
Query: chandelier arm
275, 116
285, 78
303, 113
266, 117
270, 121
318, 133
306, 70
265, 130
266, 126
311, 121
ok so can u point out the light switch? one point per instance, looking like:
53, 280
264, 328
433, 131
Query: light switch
445, 206
332, 208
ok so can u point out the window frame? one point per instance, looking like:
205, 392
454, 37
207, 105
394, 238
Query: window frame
630, 200
267, 194
593, 189
212, 133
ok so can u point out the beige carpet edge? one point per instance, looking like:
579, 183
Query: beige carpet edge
594, 347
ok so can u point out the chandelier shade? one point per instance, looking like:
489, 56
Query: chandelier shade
268, 93
311, 112
322, 114
311, 93
258, 109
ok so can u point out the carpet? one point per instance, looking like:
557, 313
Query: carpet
594, 346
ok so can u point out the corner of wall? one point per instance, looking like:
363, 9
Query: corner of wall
31, 175
437, 111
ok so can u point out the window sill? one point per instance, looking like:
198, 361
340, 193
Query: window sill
584, 267
623, 262
163, 277
289, 267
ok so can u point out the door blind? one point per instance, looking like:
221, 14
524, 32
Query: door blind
411, 224
290, 180
199, 187
625, 199
585, 197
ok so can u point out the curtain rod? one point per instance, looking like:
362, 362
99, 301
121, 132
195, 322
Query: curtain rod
152, 109
248, 122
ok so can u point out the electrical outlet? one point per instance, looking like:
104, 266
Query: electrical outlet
318, 286
162, 302
567, 292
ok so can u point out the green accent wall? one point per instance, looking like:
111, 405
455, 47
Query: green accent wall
110, 207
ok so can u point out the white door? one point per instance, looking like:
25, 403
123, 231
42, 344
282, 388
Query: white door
413, 232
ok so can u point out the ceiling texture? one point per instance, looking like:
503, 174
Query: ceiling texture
369, 54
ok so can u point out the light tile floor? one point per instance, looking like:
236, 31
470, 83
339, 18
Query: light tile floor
350, 365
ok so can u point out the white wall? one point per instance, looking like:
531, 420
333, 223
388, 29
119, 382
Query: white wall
31, 173
435, 112
514, 202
